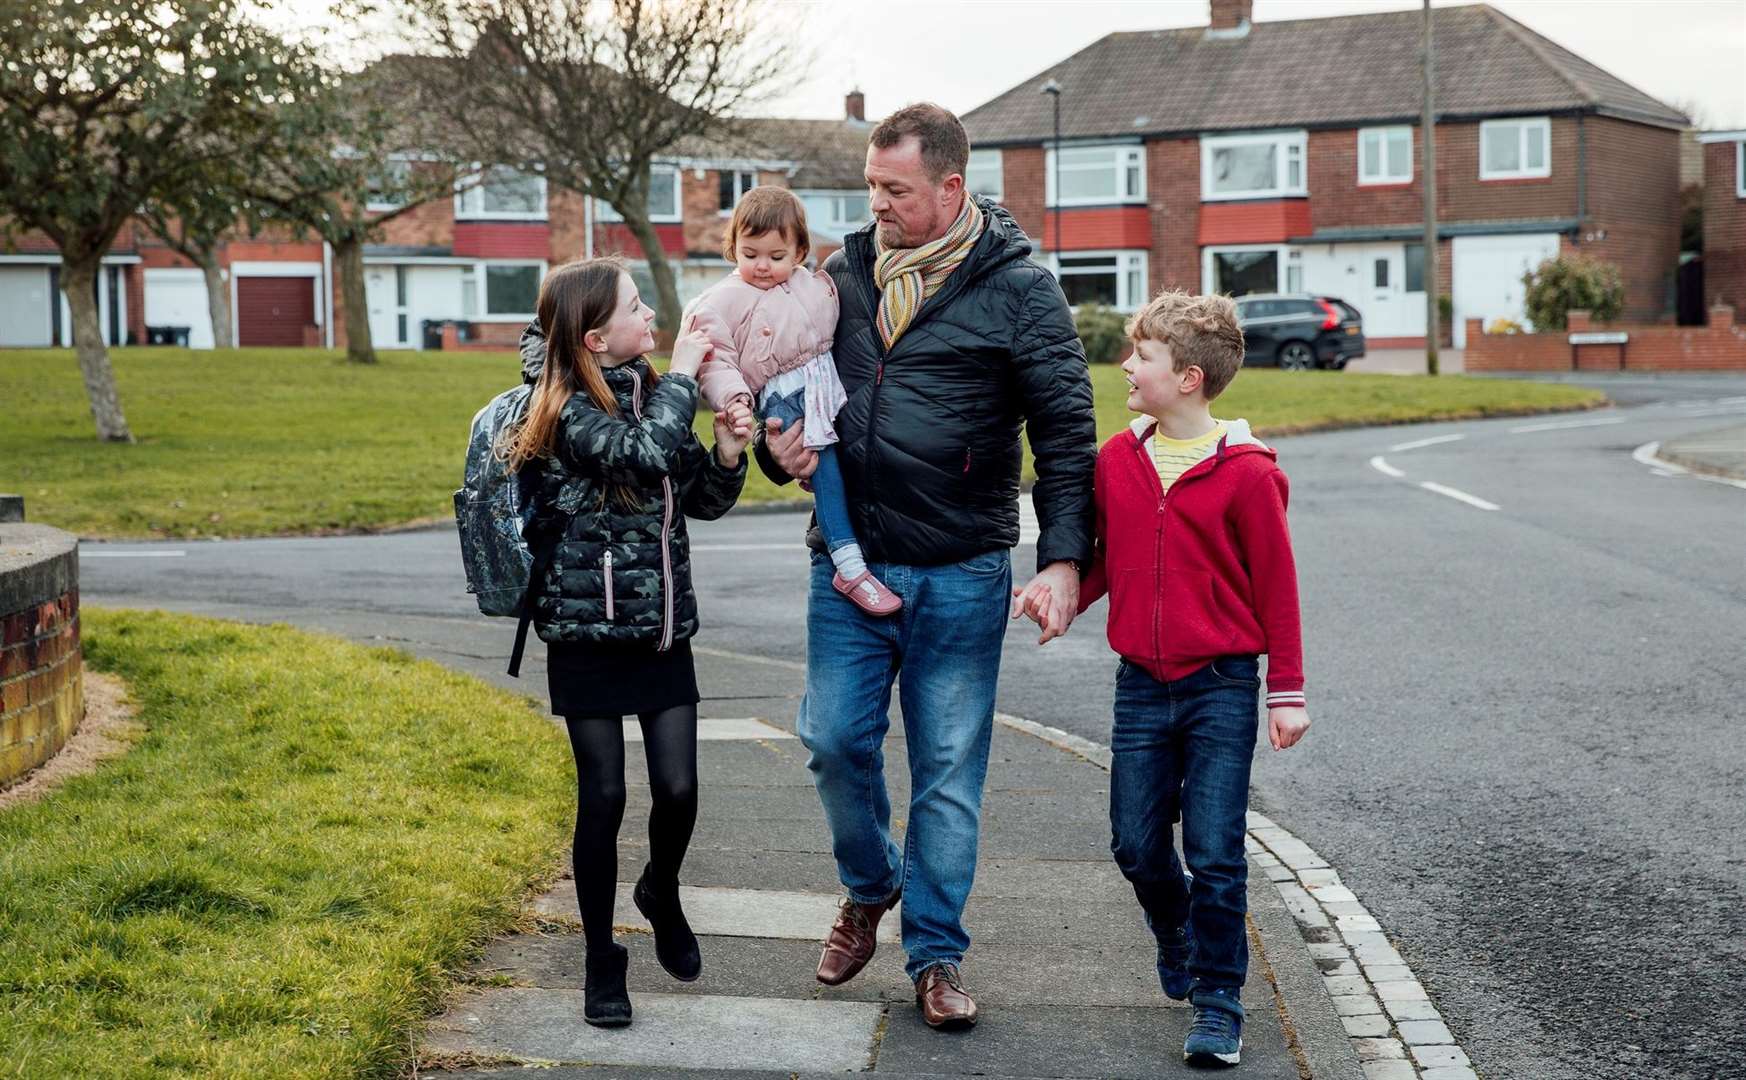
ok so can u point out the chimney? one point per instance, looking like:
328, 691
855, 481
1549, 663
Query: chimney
855, 106
1230, 18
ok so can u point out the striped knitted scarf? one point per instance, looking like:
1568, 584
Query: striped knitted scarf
908, 276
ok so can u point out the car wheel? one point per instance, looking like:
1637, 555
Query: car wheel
1296, 356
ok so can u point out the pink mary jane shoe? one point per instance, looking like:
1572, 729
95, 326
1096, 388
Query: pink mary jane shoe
868, 593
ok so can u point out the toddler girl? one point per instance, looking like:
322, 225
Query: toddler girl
771, 323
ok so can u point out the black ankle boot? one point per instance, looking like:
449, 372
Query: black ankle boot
675, 944
606, 1003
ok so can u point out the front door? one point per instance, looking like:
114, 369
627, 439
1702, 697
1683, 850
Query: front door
385, 293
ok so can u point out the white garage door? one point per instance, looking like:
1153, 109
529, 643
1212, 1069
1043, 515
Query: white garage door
1488, 276
178, 298
24, 307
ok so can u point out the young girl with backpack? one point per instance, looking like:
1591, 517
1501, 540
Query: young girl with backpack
614, 460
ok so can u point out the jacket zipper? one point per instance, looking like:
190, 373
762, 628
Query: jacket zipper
1151, 470
872, 304
666, 534
606, 570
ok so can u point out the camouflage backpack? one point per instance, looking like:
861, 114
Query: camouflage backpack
494, 512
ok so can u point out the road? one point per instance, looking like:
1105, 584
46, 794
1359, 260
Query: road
1525, 680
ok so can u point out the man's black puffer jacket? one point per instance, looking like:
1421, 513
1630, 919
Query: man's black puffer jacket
930, 434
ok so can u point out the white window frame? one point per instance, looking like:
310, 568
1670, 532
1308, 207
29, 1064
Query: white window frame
474, 190
604, 211
1124, 157
740, 189
1383, 135
481, 294
1288, 257
991, 159
1125, 262
1523, 124
376, 206
1286, 141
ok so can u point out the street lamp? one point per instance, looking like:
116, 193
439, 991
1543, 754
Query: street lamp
1053, 89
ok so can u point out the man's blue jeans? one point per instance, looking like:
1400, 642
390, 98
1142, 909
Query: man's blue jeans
946, 641
1184, 747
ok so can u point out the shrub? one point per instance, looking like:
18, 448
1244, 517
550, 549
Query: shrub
1572, 283
1100, 331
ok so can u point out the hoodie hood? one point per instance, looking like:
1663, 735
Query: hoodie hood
533, 353
1238, 436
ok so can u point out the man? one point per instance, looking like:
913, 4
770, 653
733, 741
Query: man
948, 340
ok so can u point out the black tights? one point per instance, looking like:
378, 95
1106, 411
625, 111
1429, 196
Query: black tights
670, 744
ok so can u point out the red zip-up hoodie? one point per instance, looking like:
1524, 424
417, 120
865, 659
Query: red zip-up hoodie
1203, 570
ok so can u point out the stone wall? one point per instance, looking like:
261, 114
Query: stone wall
41, 664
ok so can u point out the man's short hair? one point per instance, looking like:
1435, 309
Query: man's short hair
767, 208
945, 149
1202, 332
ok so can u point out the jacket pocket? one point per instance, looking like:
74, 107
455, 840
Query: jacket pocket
606, 576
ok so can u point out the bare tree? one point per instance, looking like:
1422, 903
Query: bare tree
346, 162
107, 105
590, 92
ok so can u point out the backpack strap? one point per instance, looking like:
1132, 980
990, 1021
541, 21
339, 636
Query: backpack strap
541, 563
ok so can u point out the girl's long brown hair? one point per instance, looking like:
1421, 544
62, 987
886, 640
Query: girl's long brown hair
574, 299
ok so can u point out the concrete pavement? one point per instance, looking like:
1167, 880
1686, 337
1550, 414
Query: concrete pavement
1721, 452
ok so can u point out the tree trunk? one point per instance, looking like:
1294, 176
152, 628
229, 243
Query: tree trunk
666, 287
348, 255
79, 281
217, 301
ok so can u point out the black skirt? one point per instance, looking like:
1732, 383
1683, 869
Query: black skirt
618, 679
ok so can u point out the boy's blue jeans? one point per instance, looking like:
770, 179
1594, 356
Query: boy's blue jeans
1184, 747
946, 640
830, 500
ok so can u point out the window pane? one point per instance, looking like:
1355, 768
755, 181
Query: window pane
1135, 292
1293, 169
1400, 152
1381, 273
1502, 151
1294, 276
1415, 268
1088, 183
508, 193
1536, 156
1088, 157
511, 290
469, 294
1095, 262
1244, 168
663, 193
1240, 273
983, 175
850, 209
726, 196
1372, 154
1133, 185
1090, 288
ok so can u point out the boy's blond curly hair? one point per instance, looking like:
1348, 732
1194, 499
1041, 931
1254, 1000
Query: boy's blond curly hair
1201, 331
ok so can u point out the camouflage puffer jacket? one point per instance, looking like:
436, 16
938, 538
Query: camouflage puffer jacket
622, 573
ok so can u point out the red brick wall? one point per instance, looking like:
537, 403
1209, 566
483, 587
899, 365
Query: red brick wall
564, 215
1724, 228
1267, 221
1720, 346
430, 224
1633, 198
1337, 199
1102, 227
1463, 196
614, 238
1021, 179
503, 239
1173, 196
41, 687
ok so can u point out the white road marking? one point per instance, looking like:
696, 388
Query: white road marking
1731, 401
1560, 425
87, 553
1646, 455
1458, 495
1432, 441
1385, 468
1718, 410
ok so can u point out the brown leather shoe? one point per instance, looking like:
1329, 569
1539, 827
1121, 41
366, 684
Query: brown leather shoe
944, 1002
852, 939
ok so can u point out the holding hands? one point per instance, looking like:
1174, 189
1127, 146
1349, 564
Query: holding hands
1051, 600
690, 350
733, 430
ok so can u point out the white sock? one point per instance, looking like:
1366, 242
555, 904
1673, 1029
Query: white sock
849, 562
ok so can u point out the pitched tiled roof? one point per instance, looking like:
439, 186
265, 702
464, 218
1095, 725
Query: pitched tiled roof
828, 154
1309, 72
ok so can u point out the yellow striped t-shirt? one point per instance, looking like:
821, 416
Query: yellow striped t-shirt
1173, 457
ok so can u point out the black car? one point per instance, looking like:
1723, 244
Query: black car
1297, 331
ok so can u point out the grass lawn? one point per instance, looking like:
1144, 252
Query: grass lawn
287, 441
280, 877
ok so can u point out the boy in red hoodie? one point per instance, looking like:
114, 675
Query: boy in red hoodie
1193, 549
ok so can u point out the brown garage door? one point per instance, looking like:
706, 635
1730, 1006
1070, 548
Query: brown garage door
274, 310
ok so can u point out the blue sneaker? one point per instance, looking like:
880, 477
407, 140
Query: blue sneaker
1174, 949
1217, 1035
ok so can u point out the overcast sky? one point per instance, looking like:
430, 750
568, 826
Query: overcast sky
960, 53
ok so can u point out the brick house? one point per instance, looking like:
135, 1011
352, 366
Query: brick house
1248, 157
473, 261
1725, 218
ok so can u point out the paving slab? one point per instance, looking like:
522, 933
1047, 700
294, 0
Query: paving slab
1719, 452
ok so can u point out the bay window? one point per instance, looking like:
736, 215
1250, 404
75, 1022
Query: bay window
1096, 175
1252, 166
